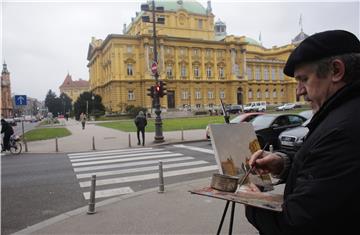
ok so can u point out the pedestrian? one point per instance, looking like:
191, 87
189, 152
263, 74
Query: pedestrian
83, 120
322, 188
140, 122
8, 131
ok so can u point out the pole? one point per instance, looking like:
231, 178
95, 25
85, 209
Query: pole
87, 108
161, 178
93, 142
23, 135
129, 141
56, 145
158, 123
91, 209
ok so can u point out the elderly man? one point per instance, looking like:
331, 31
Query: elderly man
322, 190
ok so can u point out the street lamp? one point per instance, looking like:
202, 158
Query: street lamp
160, 20
92, 109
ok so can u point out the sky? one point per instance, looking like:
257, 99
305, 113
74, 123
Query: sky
44, 40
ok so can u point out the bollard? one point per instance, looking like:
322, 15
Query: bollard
93, 143
129, 141
182, 134
271, 148
23, 136
91, 209
161, 178
56, 145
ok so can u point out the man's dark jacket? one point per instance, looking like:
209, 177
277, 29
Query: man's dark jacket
322, 192
6, 129
140, 122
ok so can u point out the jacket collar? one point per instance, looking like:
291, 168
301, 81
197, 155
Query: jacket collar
348, 92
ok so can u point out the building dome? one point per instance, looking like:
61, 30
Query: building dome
299, 38
220, 28
252, 41
190, 6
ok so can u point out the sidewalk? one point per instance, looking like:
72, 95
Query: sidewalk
148, 212
105, 139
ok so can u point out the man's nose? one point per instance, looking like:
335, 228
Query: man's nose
300, 89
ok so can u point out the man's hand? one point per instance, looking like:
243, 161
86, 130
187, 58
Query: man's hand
266, 162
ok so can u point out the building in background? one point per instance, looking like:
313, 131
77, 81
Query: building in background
6, 102
73, 89
197, 59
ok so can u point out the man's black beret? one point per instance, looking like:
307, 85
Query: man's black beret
322, 45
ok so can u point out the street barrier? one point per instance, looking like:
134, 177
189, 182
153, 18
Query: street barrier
93, 143
161, 178
91, 209
56, 145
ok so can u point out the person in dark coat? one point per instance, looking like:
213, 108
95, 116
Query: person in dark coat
8, 131
322, 190
141, 122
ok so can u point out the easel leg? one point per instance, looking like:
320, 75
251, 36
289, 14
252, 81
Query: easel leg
222, 218
232, 218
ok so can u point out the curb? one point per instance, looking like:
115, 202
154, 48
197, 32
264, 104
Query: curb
83, 210
90, 150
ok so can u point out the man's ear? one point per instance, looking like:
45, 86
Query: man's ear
338, 67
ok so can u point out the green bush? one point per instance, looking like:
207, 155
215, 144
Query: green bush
134, 110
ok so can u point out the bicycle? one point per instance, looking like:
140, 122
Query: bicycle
15, 145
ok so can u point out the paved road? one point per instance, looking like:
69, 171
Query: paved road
27, 127
37, 187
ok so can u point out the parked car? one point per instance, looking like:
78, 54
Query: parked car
269, 126
291, 140
259, 106
234, 109
307, 114
245, 117
288, 106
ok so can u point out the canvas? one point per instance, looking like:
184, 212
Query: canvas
233, 144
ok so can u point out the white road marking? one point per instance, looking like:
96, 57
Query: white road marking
126, 159
109, 192
129, 164
139, 169
149, 176
109, 152
119, 156
203, 150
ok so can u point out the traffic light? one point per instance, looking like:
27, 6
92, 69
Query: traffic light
162, 89
157, 89
151, 91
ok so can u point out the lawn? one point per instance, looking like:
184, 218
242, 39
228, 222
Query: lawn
46, 133
171, 124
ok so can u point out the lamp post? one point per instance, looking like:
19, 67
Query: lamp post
160, 20
92, 108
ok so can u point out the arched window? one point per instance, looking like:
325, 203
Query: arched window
250, 94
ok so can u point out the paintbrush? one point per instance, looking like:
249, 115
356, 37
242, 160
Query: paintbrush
252, 168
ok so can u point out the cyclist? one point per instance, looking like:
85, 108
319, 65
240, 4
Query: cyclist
8, 131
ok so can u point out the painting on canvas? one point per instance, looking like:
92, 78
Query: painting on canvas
233, 145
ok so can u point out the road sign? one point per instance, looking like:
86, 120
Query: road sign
20, 100
154, 67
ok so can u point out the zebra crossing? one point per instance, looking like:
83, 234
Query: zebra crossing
117, 171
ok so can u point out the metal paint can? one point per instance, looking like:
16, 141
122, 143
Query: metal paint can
224, 182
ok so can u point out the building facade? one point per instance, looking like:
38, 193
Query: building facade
197, 60
6, 102
73, 89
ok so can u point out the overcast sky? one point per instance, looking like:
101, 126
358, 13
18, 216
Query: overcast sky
44, 40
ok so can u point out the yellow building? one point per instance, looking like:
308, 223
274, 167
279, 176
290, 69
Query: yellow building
197, 60
73, 89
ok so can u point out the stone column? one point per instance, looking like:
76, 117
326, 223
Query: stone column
243, 52
147, 68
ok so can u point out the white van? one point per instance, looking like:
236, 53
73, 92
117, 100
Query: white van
257, 106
